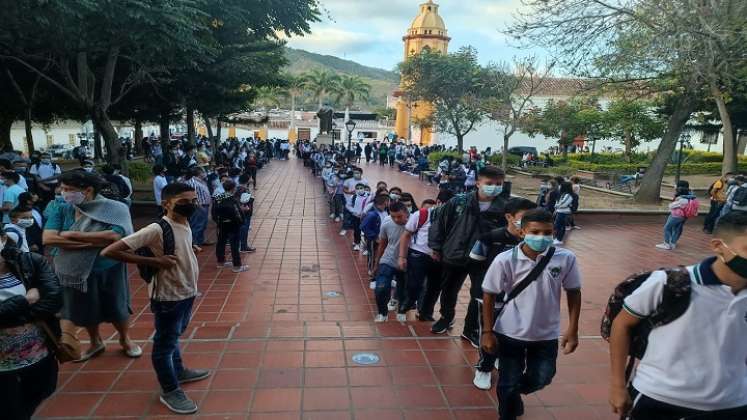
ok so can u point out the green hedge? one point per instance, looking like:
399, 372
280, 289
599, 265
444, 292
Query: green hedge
140, 171
434, 158
629, 169
692, 156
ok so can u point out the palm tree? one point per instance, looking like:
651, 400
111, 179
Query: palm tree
322, 83
268, 97
295, 86
352, 89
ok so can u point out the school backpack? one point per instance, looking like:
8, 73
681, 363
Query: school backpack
112, 191
739, 201
422, 219
574, 203
691, 209
11, 229
675, 301
148, 273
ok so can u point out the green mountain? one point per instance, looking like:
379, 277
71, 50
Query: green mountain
382, 82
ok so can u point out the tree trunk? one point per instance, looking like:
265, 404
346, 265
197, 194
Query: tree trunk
97, 150
6, 122
190, 124
138, 135
730, 147
460, 143
115, 151
650, 191
29, 135
218, 128
208, 127
628, 138
165, 133
504, 159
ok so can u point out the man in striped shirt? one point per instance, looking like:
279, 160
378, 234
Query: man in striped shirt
195, 178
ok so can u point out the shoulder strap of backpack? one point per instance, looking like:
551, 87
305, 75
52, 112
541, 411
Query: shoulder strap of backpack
169, 244
529, 279
422, 218
8, 228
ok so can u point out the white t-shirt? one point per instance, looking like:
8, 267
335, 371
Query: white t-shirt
534, 315
350, 184
180, 282
419, 240
699, 360
45, 171
159, 183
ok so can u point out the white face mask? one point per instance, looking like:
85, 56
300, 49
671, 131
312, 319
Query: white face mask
25, 223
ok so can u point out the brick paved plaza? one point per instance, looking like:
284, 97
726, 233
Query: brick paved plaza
280, 344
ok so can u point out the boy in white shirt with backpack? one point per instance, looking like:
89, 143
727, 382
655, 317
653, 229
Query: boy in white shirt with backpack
694, 364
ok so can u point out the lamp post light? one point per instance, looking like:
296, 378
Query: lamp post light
684, 138
350, 126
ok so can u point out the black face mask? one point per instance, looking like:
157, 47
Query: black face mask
738, 265
185, 210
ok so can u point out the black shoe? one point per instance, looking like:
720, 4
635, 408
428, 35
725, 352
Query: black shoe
473, 339
426, 318
441, 326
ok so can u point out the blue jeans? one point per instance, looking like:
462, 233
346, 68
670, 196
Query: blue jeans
198, 223
244, 234
526, 367
673, 229
561, 221
171, 320
383, 291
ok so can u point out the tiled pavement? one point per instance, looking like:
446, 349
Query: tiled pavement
280, 344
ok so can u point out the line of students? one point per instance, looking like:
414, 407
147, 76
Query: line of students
695, 367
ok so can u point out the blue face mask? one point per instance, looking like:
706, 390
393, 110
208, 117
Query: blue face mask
492, 190
538, 243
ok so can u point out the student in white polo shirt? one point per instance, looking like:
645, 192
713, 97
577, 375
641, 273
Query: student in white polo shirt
525, 336
695, 366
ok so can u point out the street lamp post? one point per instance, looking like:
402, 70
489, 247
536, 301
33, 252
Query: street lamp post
684, 138
350, 126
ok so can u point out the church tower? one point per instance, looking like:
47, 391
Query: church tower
428, 30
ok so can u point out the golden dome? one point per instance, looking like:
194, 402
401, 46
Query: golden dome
428, 22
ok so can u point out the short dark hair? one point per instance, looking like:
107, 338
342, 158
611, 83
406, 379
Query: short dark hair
5, 163
491, 171
566, 188
381, 199
406, 196
517, 204
234, 172
536, 215
397, 207
396, 188
158, 169
172, 190
81, 179
17, 211
11, 175
229, 185
731, 224
444, 196
107, 169
428, 202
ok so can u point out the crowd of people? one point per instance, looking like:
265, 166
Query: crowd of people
419, 254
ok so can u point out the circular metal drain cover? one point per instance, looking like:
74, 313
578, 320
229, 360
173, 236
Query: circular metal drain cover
366, 358
332, 294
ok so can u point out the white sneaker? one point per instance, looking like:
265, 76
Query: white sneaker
356, 248
372, 285
672, 246
482, 380
337, 219
394, 284
664, 246
557, 242
402, 317
392, 305
331, 215
225, 264
567, 228
379, 319
343, 232
577, 227
241, 269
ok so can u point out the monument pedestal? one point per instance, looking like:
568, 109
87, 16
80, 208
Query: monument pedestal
324, 139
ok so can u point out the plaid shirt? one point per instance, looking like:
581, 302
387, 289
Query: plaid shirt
203, 194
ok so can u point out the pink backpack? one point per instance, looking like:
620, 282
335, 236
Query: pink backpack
691, 209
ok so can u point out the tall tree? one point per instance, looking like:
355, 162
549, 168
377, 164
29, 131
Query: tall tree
631, 121
512, 93
455, 84
351, 89
322, 83
564, 120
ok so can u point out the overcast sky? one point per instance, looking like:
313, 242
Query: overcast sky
370, 31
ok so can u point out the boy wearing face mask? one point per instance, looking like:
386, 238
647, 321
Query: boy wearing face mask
452, 235
20, 220
485, 250
525, 335
172, 292
694, 366
355, 208
11, 194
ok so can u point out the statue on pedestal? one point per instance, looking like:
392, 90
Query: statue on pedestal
326, 115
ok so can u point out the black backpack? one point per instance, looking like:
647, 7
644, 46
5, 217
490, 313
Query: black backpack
675, 301
739, 202
149, 273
